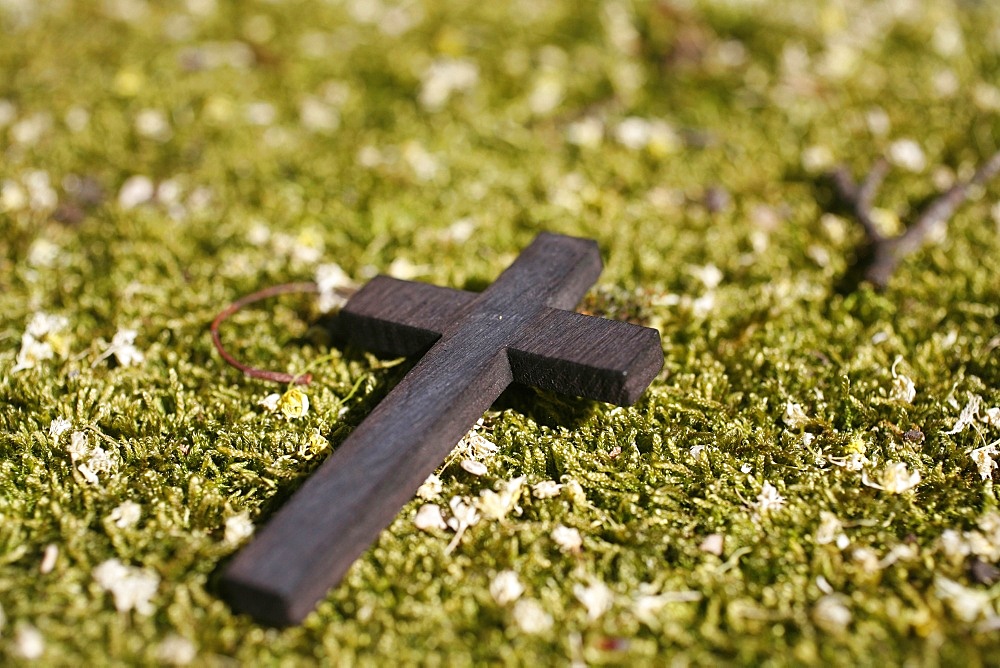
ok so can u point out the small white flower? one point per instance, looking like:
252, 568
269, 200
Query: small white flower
831, 614
294, 403
79, 446
567, 538
696, 450
239, 527
474, 467
968, 604
332, 282
506, 587
175, 650
42, 340
587, 132
32, 352
123, 348
794, 416
445, 77
270, 402
463, 514
58, 427
830, 527
153, 123
596, 597
49, 557
131, 586
126, 514
431, 488
530, 616
495, 505
545, 489
633, 133
28, 642
907, 154
429, 518
991, 416
903, 388
746, 468
769, 500
969, 414
815, 159
100, 460
135, 191
318, 116
43, 253
710, 275
713, 543
954, 546
476, 446
895, 478
983, 459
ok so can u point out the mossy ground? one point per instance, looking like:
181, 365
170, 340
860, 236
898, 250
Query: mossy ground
437, 139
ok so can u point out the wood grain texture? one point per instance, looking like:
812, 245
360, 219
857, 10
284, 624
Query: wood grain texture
476, 345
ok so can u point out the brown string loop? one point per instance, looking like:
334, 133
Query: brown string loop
254, 372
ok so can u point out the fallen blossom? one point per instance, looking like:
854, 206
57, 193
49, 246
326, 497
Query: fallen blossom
294, 403
895, 478
545, 489
239, 527
983, 459
49, 557
713, 543
954, 545
270, 402
769, 499
907, 154
332, 281
495, 505
506, 587
58, 427
429, 517
477, 446
968, 415
136, 190
530, 616
968, 604
79, 445
445, 77
586, 133
42, 340
473, 467
175, 650
794, 416
831, 614
463, 516
596, 597
126, 514
903, 388
123, 348
830, 527
131, 586
28, 642
567, 538
431, 488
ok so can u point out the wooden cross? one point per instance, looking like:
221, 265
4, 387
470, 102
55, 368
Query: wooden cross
518, 330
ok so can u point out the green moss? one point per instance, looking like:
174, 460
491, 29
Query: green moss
303, 122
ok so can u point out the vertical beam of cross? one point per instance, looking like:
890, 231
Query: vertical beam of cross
476, 345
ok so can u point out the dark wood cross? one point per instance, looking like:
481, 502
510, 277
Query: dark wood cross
520, 329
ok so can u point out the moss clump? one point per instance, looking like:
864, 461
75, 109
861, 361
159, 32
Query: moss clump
798, 485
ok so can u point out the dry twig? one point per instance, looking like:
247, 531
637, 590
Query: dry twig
880, 254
